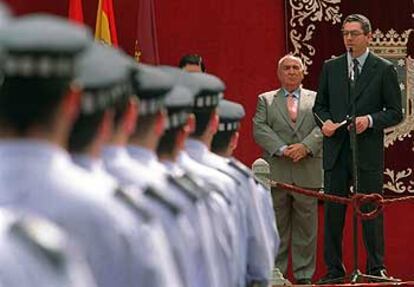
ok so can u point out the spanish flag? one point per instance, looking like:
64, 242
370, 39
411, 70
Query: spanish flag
75, 11
105, 30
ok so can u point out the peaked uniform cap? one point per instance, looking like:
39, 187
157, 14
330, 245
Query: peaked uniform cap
183, 78
230, 111
208, 83
230, 114
151, 82
200, 84
150, 85
179, 97
179, 103
44, 33
104, 73
42, 46
100, 66
207, 89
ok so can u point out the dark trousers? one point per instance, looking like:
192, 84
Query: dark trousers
337, 182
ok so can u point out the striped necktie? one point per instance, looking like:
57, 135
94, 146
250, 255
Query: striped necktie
356, 69
292, 106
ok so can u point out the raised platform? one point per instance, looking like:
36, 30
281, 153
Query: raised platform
407, 283
399, 246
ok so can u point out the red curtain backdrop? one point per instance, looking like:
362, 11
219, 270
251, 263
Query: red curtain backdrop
146, 45
239, 42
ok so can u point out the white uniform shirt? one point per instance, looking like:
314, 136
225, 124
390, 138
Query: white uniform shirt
223, 210
40, 177
35, 252
95, 167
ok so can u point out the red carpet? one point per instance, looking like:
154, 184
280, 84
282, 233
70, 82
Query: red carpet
399, 244
408, 283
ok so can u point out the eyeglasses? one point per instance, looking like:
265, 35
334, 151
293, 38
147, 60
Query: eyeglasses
353, 33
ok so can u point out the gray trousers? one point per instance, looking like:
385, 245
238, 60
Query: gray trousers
297, 221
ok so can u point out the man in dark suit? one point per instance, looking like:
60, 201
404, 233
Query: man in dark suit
377, 99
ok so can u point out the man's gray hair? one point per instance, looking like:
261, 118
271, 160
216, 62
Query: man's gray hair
293, 57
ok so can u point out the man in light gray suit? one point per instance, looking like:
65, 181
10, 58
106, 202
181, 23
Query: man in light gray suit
286, 130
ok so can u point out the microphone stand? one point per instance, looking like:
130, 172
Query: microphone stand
356, 275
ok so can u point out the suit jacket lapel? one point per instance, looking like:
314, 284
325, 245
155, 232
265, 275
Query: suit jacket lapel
366, 74
280, 103
304, 104
344, 79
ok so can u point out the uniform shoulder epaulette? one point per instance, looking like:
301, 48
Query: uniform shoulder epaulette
260, 183
158, 196
214, 188
241, 168
44, 238
124, 196
187, 184
229, 175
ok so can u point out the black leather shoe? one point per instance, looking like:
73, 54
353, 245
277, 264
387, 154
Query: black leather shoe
382, 276
330, 279
304, 281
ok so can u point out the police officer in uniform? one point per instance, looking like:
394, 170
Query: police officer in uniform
227, 215
262, 232
118, 161
105, 76
36, 173
142, 148
179, 104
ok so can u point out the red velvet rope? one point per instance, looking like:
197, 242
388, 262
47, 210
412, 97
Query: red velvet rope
357, 200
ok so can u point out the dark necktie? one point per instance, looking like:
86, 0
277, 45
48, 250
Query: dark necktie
356, 69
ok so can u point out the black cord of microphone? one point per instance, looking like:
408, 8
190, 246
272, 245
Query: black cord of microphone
351, 71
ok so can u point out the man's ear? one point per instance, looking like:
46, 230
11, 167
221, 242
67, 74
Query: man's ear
131, 116
160, 123
71, 102
181, 137
191, 123
105, 128
234, 140
214, 122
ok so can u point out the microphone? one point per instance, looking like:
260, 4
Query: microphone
351, 74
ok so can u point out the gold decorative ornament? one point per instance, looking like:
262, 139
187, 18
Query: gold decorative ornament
137, 52
390, 44
406, 127
393, 46
303, 14
396, 183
